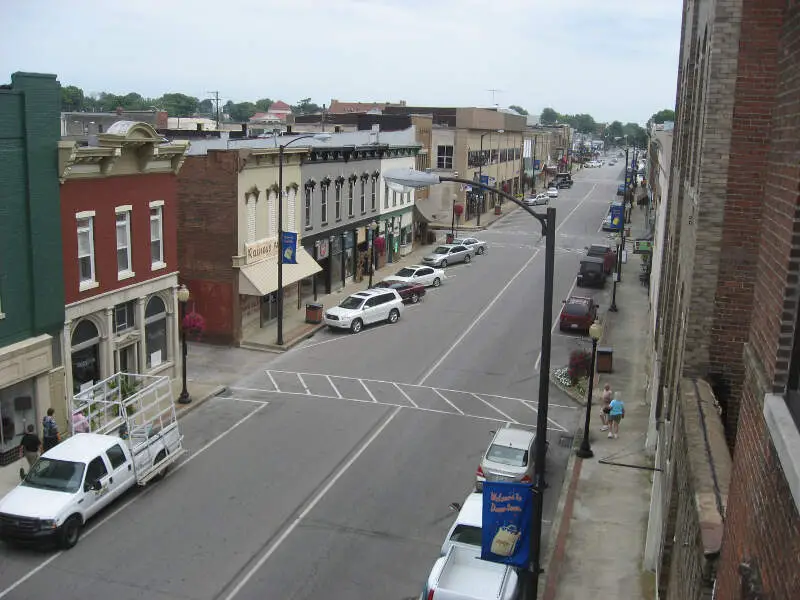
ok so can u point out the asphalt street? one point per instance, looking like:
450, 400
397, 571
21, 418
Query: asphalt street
327, 472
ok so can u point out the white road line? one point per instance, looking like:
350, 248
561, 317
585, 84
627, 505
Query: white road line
406, 396
364, 385
335, 389
516, 399
553, 327
557, 426
303, 383
118, 510
340, 338
272, 379
438, 393
309, 507
493, 407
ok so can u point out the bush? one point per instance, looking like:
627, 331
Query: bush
579, 363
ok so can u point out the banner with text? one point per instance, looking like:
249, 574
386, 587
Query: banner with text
507, 513
289, 248
617, 216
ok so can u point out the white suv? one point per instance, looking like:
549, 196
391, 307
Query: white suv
365, 308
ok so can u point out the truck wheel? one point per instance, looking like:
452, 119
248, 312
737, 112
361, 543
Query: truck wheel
71, 532
163, 472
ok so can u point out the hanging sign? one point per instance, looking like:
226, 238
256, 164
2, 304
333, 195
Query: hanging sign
289, 248
505, 529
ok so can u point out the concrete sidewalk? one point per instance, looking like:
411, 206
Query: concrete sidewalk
601, 521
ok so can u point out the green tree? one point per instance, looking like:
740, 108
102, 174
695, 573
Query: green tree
71, 98
134, 101
263, 104
179, 105
549, 117
584, 123
206, 106
614, 130
306, 107
663, 115
241, 111
519, 109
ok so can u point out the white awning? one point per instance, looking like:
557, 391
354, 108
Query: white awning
261, 278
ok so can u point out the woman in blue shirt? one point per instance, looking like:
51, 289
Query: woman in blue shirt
615, 415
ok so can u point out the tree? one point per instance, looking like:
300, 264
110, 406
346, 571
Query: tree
584, 123
549, 117
263, 104
306, 107
663, 115
614, 130
636, 134
519, 109
206, 106
241, 111
179, 105
71, 99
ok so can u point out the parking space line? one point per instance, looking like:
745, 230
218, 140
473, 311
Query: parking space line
364, 385
493, 407
303, 383
335, 389
406, 396
557, 426
438, 393
272, 379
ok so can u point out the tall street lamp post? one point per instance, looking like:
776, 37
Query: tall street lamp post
373, 226
183, 298
617, 263
585, 451
482, 205
321, 137
416, 179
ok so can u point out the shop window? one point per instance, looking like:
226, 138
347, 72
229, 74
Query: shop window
16, 412
155, 332
156, 236
124, 244
85, 355
124, 316
86, 251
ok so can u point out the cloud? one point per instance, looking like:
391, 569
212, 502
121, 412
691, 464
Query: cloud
612, 59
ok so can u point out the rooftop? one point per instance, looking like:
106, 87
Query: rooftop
82, 447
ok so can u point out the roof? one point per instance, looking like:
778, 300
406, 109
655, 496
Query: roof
280, 105
82, 447
367, 293
592, 259
471, 512
603, 247
514, 437
355, 107
580, 300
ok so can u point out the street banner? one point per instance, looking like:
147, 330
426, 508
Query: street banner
617, 216
289, 248
537, 164
505, 530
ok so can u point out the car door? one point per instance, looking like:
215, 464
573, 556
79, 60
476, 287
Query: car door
93, 500
425, 276
384, 306
368, 315
122, 474
461, 252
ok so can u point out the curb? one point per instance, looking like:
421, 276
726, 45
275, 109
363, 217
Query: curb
275, 349
196, 402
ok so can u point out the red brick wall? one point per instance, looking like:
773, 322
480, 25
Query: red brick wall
103, 195
207, 240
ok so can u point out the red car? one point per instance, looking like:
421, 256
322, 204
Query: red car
411, 293
578, 314
606, 252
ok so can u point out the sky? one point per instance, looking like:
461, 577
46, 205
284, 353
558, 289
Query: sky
576, 56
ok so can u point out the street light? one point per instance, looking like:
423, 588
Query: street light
617, 264
480, 173
417, 179
585, 451
373, 226
183, 298
318, 136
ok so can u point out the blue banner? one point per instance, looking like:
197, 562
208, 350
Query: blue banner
289, 248
537, 164
617, 216
506, 526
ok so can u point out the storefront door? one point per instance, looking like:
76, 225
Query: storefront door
85, 356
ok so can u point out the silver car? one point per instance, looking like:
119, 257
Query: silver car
475, 244
448, 254
508, 458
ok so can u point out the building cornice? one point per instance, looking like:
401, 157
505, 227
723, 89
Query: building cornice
324, 154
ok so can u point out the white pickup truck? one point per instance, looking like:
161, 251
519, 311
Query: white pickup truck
133, 439
461, 575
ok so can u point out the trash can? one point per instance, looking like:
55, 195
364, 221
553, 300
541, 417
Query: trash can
605, 359
314, 313
497, 209
450, 238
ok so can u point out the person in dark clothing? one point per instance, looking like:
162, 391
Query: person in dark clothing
29, 446
50, 434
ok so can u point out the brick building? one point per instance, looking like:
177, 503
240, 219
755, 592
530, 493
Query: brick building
727, 312
120, 258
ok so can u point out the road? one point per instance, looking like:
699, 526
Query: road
327, 472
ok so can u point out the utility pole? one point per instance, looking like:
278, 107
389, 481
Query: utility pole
216, 100
494, 91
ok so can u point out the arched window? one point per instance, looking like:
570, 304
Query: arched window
85, 355
155, 332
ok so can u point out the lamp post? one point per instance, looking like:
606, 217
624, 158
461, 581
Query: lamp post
480, 175
617, 263
585, 451
373, 226
183, 298
416, 179
321, 137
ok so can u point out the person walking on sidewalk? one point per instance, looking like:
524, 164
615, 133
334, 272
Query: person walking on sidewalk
615, 415
606, 406
29, 446
50, 433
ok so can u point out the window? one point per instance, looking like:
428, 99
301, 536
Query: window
124, 316
86, 251
85, 355
386, 196
394, 198
124, 244
337, 210
363, 196
323, 206
116, 456
444, 157
373, 204
156, 237
350, 199
155, 332
95, 471
307, 207
250, 203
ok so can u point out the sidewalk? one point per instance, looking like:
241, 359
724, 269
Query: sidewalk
601, 521
295, 328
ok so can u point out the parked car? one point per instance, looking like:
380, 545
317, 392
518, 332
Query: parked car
409, 292
564, 184
577, 314
460, 575
537, 200
365, 308
448, 254
606, 252
418, 274
552, 192
509, 457
591, 272
466, 529
472, 243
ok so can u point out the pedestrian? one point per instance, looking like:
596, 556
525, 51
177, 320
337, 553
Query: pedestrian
50, 433
29, 446
80, 424
606, 408
615, 415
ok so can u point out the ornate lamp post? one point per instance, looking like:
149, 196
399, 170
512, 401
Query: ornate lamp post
585, 451
373, 227
617, 265
183, 298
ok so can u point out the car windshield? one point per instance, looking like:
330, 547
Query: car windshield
467, 534
441, 250
352, 302
405, 273
459, 241
575, 309
513, 457
57, 475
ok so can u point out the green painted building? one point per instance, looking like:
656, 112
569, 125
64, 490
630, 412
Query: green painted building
31, 280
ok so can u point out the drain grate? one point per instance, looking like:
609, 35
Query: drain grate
566, 441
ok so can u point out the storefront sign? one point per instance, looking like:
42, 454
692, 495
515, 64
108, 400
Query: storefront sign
323, 249
260, 250
507, 511
642, 247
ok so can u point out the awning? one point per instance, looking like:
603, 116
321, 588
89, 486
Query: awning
261, 278
424, 211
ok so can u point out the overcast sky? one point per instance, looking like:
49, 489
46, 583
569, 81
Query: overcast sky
613, 59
